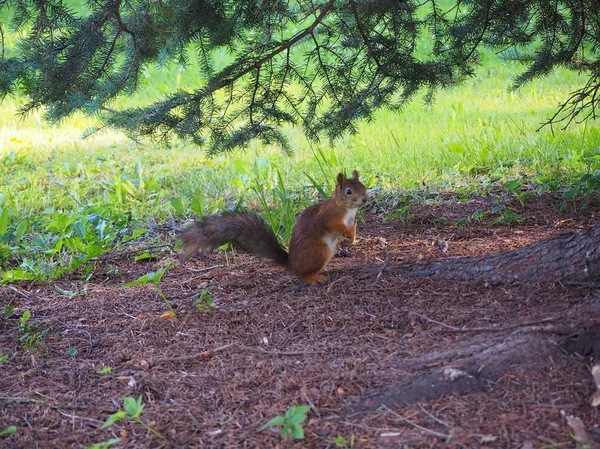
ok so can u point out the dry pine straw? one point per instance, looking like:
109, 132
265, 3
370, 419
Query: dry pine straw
211, 381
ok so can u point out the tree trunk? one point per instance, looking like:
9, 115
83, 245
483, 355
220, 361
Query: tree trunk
573, 257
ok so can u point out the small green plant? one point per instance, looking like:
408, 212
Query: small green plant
154, 277
403, 215
72, 352
291, 423
507, 217
132, 411
105, 370
8, 310
205, 300
340, 441
517, 188
586, 186
462, 222
104, 444
29, 335
3, 357
279, 206
478, 215
8, 431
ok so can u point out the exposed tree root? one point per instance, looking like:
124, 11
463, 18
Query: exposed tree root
484, 359
573, 257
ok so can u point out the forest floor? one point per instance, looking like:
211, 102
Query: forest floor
211, 380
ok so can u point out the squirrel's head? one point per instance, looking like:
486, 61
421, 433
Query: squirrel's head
350, 191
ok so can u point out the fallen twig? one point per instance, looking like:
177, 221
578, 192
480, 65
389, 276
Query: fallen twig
453, 329
280, 353
106, 257
503, 328
199, 356
16, 290
74, 416
417, 426
386, 262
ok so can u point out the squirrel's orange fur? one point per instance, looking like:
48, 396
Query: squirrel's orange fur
314, 238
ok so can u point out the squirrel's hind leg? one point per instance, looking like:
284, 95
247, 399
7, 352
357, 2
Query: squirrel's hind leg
313, 278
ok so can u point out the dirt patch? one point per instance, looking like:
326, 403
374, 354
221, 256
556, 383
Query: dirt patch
370, 328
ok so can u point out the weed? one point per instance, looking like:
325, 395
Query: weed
8, 310
506, 217
30, 336
291, 428
517, 188
478, 215
105, 370
3, 357
205, 300
278, 205
154, 278
340, 441
132, 411
8, 431
586, 186
104, 444
402, 214
462, 222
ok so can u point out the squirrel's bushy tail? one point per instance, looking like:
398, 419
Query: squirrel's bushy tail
243, 229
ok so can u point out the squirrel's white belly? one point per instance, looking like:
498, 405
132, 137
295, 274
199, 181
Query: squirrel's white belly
332, 240
350, 217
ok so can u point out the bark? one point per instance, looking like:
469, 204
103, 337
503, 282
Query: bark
479, 362
573, 257
473, 373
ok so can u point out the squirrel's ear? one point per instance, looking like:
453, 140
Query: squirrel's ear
355, 175
341, 178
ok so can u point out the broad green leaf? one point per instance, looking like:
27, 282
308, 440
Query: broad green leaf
145, 256
132, 406
18, 274
68, 293
93, 250
79, 229
8, 431
21, 230
285, 430
148, 277
198, 203
277, 421
25, 318
114, 418
177, 204
104, 444
297, 432
4, 220
515, 184
297, 418
101, 227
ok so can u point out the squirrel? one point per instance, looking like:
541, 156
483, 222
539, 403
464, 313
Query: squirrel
314, 238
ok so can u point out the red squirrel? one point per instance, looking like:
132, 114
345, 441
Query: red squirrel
314, 238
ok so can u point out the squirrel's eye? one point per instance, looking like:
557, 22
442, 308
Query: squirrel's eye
348, 191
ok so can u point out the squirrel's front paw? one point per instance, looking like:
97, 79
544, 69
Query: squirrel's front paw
351, 233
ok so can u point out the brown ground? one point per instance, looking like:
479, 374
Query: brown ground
325, 346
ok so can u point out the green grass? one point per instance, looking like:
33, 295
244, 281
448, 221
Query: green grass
64, 200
